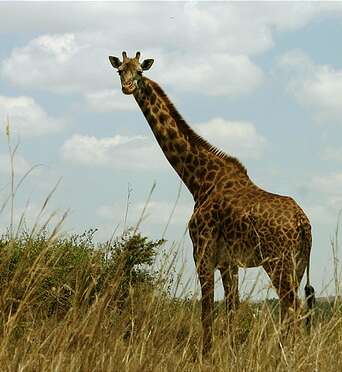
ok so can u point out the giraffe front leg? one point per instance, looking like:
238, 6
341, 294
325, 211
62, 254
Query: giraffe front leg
205, 272
204, 236
206, 278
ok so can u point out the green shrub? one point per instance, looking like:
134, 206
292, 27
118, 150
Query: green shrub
53, 275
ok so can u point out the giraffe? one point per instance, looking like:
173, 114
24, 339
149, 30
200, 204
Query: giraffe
234, 222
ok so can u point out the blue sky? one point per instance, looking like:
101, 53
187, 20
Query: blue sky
263, 81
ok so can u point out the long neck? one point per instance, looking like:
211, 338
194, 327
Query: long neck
190, 155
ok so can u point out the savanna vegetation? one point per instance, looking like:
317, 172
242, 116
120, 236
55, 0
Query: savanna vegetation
68, 303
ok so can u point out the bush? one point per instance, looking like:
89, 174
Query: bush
70, 304
49, 276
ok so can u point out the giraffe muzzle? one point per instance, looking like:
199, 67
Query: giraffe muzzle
128, 88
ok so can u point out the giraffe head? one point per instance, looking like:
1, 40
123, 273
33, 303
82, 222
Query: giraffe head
130, 70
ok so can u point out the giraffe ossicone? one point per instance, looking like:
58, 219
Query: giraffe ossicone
234, 222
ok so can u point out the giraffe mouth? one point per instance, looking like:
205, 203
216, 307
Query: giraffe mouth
129, 88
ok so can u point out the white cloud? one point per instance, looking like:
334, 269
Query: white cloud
289, 16
237, 138
67, 59
62, 63
50, 16
110, 100
137, 152
156, 213
216, 75
320, 214
330, 184
21, 165
106, 212
332, 153
316, 86
159, 212
323, 198
29, 216
117, 152
328, 189
75, 63
26, 117
233, 27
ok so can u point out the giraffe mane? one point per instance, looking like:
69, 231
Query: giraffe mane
190, 133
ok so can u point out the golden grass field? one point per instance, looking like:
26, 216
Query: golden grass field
68, 304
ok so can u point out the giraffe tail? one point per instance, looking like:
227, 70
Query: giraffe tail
309, 289
310, 299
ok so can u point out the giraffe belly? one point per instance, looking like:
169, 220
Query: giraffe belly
239, 253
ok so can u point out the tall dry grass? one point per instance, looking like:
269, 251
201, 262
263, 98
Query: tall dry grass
67, 304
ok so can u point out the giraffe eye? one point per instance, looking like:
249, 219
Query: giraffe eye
119, 72
139, 72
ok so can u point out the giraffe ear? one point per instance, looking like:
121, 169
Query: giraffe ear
115, 61
146, 65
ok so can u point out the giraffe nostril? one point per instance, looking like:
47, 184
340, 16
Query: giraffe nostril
129, 85
128, 88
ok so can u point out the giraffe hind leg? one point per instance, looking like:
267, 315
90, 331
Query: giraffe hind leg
310, 302
230, 281
286, 283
